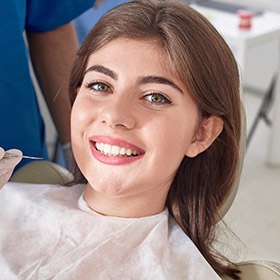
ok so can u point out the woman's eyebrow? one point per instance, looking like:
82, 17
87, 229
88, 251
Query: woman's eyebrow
102, 69
141, 81
158, 80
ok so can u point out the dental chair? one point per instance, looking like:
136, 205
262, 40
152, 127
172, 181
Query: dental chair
46, 172
42, 172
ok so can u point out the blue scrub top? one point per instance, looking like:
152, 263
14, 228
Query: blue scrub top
88, 19
21, 124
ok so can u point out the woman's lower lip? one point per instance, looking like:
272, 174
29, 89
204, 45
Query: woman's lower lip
113, 160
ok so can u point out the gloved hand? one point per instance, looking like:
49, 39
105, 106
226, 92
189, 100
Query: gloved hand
7, 165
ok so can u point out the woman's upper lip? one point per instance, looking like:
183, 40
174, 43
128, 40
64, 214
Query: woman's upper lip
115, 141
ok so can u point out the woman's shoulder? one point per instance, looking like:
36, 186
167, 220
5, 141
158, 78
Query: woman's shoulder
38, 207
21, 195
187, 259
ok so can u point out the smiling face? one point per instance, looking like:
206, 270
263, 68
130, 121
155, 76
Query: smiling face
133, 122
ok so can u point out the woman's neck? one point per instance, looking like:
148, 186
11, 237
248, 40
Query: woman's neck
131, 206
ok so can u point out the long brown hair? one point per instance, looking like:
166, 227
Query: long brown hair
204, 62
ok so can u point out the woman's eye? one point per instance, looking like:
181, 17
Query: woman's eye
98, 86
157, 99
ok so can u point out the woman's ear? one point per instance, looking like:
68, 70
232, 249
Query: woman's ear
209, 129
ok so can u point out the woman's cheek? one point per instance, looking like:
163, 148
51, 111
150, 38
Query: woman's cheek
81, 112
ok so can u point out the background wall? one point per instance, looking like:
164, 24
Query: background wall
260, 61
273, 5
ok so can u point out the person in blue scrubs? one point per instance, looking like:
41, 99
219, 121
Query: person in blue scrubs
39, 30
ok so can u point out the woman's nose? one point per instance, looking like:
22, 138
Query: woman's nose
118, 113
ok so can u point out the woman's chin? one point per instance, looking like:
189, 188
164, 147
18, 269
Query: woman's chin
110, 189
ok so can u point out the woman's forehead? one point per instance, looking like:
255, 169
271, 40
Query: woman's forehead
133, 48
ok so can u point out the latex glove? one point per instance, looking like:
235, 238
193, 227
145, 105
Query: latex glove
7, 165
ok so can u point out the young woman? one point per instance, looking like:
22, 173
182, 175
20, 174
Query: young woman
155, 132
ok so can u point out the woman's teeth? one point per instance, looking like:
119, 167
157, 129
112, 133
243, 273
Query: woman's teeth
112, 150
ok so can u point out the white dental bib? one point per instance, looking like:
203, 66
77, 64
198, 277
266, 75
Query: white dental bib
49, 232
